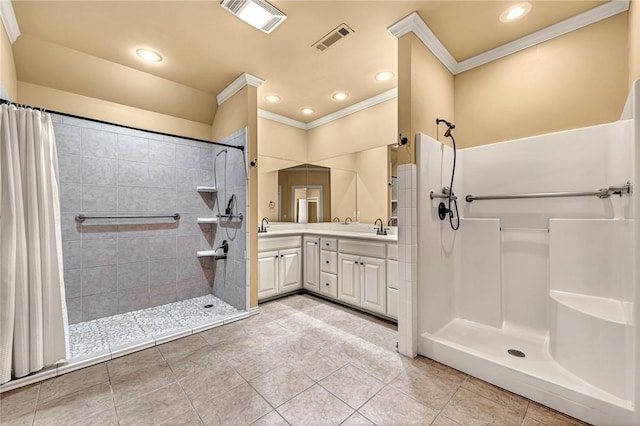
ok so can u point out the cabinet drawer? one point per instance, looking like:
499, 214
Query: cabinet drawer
392, 302
363, 248
329, 284
392, 251
280, 243
330, 244
329, 261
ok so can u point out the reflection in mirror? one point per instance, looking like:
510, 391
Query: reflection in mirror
393, 185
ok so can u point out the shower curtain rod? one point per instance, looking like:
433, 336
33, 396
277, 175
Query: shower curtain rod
4, 101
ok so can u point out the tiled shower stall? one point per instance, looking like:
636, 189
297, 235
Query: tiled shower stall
118, 272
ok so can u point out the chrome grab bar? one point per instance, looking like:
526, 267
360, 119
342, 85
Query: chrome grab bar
625, 189
81, 217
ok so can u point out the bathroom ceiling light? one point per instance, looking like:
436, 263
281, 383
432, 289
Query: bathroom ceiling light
384, 76
257, 13
307, 111
340, 96
149, 55
272, 98
515, 12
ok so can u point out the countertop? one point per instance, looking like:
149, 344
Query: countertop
329, 233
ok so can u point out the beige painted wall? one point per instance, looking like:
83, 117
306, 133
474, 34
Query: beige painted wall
7, 66
237, 112
98, 109
425, 92
281, 141
576, 80
634, 41
373, 127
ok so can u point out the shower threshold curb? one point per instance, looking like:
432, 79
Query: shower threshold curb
118, 351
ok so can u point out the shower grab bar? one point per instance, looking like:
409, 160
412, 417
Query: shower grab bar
444, 194
81, 217
600, 193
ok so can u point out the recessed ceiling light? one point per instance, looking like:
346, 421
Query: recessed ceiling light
515, 12
257, 13
340, 96
384, 76
149, 55
272, 98
307, 111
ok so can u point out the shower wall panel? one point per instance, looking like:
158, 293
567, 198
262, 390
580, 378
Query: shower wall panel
116, 266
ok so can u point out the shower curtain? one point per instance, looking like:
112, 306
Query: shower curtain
33, 317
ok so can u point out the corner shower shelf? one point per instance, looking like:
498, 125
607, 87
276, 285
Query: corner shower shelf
210, 253
230, 217
206, 189
207, 220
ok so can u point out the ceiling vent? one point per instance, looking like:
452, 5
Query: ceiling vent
338, 33
257, 13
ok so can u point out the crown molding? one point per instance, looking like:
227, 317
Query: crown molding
282, 119
8, 17
414, 23
243, 80
367, 103
574, 23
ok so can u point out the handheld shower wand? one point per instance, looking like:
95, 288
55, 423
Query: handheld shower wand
443, 210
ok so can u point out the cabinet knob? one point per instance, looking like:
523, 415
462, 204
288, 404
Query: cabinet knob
362, 263
327, 244
282, 255
326, 284
356, 262
276, 256
327, 261
315, 243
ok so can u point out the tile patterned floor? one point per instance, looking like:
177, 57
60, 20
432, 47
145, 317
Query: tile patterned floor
91, 337
301, 361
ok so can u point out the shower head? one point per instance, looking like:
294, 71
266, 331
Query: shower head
447, 134
449, 124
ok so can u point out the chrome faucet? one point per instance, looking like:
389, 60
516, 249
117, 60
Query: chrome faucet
336, 219
263, 228
347, 220
381, 230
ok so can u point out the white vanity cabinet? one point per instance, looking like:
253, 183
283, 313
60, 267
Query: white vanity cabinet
279, 266
311, 263
329, 267
362, 274
392, 280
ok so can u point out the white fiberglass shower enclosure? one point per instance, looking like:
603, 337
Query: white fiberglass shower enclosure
554, 278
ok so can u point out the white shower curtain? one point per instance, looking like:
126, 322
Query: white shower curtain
33, 317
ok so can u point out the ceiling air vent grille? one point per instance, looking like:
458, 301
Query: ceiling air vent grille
257, 13
338, 33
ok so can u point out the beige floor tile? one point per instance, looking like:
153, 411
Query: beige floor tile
77, 406
224, 332
203, 358
155, 407
528, 421
73, 382
268, 333
315, 406
550, 417
256, 363
206, 384
123, 367
392, 407
281, 384
141, 382
443, 420
468, 408
18, 406
103, 418
321, 363
235, 347
299, 322
378, 335
381, 364
271, 419
431, 390
357, 419
294, 347
240, 406
496, 394
352, 385
182, 347
300, 302
189, 418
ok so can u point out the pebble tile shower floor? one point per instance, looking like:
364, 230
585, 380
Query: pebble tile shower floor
301, 361
91, 337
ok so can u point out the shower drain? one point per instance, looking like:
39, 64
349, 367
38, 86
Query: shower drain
515, 352
211, 306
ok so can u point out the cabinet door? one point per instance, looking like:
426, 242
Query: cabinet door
349, 278
311, 264
374, 288
392, 274
290, 270
268, 262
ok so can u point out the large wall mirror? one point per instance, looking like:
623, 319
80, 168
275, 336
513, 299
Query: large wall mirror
359, 186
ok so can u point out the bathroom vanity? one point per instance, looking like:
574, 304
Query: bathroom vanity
358, 269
